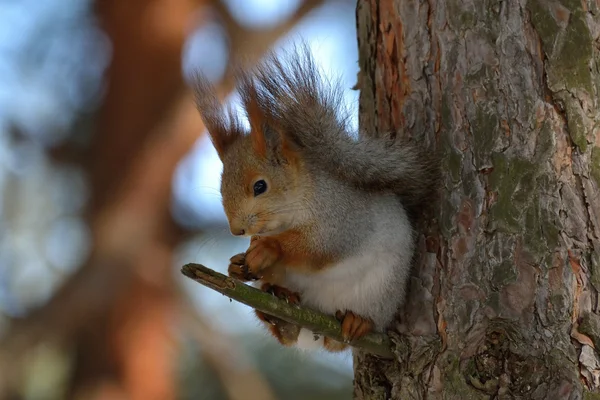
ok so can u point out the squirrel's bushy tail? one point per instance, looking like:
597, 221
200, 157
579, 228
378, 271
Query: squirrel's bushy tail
397, 165
309, 112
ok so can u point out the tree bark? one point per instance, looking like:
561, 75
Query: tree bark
504, 299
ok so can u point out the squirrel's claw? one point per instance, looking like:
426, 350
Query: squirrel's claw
354, 326
282, 293
239, 270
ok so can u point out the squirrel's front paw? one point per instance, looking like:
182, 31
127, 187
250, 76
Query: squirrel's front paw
239, 270
353, 326
262, 254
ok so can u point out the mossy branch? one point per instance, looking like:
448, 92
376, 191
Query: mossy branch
319, 323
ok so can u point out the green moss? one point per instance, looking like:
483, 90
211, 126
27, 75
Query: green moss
505, 216
569, 61
514, 181
569, 65
517, 183
591, 396
575, 123
524, 173
544, 24
595, 270
485, 127
596, 164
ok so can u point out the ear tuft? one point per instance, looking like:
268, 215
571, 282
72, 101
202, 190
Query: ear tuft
299, 104
255, 113
223, 126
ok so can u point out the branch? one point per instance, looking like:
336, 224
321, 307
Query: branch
315, 321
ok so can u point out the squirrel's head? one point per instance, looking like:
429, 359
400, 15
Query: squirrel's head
262, 190
262, 185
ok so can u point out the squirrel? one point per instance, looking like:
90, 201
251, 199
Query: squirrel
330, 213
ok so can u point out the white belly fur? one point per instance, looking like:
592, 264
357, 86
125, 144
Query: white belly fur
370, 283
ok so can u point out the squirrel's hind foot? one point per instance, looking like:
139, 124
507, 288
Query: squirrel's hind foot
286, 333
281, 293
333, 346
354, 326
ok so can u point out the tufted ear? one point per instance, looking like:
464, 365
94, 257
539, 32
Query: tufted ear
223, 126
256, 115
268, 137
287, 151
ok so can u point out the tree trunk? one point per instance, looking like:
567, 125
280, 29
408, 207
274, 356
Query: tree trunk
504, 299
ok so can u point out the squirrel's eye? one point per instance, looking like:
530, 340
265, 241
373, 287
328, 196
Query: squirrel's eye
260, 187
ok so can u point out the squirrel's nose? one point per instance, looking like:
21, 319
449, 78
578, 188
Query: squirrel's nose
237, 231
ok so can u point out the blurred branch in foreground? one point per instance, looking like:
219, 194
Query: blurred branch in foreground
115, 311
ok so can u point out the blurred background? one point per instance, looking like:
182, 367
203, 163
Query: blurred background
109, 184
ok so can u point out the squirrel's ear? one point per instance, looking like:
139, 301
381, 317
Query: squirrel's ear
255, 114
223, 127
268, 139
256, 118
288, 151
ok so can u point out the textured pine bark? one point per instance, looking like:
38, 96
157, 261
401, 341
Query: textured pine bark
504, 297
